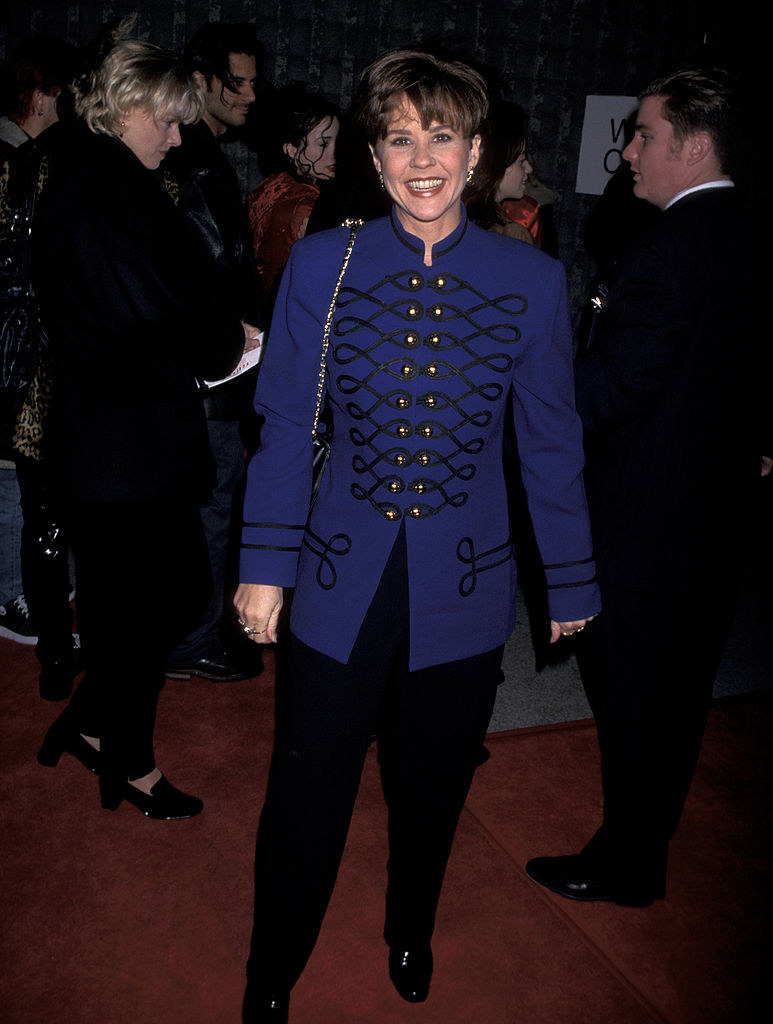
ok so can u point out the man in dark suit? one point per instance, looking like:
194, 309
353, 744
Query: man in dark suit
667, 398
223, 59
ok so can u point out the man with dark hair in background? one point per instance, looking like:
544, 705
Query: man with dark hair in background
224, 59
673, 434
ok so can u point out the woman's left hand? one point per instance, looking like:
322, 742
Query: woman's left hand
561, 629
258, 606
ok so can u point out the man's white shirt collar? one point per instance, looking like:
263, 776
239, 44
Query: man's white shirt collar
722, 183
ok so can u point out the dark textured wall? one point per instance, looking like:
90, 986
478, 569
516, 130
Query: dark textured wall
549, 54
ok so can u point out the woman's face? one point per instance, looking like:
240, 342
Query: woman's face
315, 158
513, 183
425, 171
149, 137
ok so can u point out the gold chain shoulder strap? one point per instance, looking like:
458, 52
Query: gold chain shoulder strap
353, 226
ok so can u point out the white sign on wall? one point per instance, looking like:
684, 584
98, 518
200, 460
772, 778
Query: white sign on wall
603, 140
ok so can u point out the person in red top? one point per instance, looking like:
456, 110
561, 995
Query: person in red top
279, 208
499, 183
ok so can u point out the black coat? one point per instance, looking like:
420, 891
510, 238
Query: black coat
211, 202
670, 401
131, 309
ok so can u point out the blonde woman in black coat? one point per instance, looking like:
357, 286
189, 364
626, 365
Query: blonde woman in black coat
131, 309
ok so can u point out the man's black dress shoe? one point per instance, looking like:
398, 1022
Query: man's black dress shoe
411, 972
578, 877
265, 1007
220, 668
571, 876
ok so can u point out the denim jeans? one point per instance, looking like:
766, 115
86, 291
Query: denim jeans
10, 535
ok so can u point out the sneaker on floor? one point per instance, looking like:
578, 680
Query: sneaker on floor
15, 621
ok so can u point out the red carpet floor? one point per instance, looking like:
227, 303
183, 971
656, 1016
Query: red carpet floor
108, 918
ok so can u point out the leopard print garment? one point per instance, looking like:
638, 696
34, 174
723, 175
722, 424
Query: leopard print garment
27, 435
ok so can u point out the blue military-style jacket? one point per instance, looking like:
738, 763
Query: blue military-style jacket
421, 366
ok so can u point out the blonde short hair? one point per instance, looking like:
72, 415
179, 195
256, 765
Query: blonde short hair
137, 74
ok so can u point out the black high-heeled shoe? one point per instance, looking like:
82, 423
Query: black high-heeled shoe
164, 802
64, 738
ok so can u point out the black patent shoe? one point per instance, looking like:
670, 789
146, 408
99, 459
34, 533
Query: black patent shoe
573, 876
164, 802
265, 1007
223, 667
411, 972
578, 877
63, 738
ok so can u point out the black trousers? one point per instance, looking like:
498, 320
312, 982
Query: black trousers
648, 666
430, 723
143, 579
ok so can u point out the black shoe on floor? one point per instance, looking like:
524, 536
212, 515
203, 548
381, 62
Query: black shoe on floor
265, 1007
411, 972
164, 802
591, 877
220, 668
572, 876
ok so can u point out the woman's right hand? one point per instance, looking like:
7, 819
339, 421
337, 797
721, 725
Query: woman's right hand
258, 606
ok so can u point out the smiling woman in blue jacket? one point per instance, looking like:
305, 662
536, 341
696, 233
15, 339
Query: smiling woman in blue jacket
404, 572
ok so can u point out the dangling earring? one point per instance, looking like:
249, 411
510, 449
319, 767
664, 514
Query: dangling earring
470, 173
123, 125
381, 180
40, 113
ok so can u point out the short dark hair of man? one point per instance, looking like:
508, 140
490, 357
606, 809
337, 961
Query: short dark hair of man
209, 50
704, 100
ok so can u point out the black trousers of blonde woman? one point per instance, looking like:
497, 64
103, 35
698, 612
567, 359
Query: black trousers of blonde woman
143, 579
431, 724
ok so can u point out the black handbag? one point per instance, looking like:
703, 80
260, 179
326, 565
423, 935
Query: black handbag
320, 440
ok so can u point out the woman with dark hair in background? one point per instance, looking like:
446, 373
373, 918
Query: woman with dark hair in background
501, 174
30, 86
131, 308
404, 572
303, 142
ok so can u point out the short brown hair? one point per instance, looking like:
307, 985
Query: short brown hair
445, 91
704, 100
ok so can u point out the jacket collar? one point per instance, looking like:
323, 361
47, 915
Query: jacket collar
415, 244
